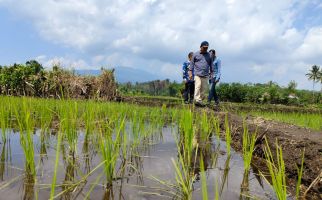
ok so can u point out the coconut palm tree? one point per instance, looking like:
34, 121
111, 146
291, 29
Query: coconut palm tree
314, 75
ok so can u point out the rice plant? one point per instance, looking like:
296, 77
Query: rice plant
26, 126
299, 177
58, 145
205, 128
68, 115
110, 151
187, 134
227, 135
276, 170
217, 128
183, 169
4, 119
248, 147
45, 115
184, 178
224, 177
203, 179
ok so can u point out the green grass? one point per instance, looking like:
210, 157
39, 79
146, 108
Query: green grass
308, 120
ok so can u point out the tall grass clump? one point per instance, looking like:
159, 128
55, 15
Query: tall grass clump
276, 170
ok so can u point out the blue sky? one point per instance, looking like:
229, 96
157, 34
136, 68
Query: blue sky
257, 40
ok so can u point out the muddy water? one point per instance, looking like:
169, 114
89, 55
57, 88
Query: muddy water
149, 161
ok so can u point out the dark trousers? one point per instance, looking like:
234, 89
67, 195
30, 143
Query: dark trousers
189, 90
213, 93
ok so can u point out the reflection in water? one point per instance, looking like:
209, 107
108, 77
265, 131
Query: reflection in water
132, 168
136, 166
3, 159
43, 146
244, 187
85, 151
224, 178
204, 146
70, 173
257, 175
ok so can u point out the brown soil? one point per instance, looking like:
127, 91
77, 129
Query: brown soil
293, 140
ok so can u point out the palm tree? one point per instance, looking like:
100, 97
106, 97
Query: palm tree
314, 75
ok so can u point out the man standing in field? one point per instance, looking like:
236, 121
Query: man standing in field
189, 84
214, 80
201, 65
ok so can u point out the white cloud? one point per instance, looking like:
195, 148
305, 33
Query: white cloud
65, 62
257, 37
311, 48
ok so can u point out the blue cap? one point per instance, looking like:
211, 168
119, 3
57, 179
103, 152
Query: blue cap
204, 43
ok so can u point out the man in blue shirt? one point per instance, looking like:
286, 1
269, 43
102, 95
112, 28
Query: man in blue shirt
201, 65
215, 79
189, 84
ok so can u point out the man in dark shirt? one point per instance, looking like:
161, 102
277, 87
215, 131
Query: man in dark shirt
201, 64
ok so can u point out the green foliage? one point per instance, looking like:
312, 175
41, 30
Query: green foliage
30, 79
309, 120
232, 92
154, 88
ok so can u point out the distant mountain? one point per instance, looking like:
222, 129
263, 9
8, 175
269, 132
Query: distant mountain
125, 74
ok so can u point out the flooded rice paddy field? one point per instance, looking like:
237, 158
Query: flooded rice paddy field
147, 165
68, 149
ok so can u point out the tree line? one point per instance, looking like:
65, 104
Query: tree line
269, 92
31, 79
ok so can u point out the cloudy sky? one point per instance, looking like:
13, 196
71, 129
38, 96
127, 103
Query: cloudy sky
257, 40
